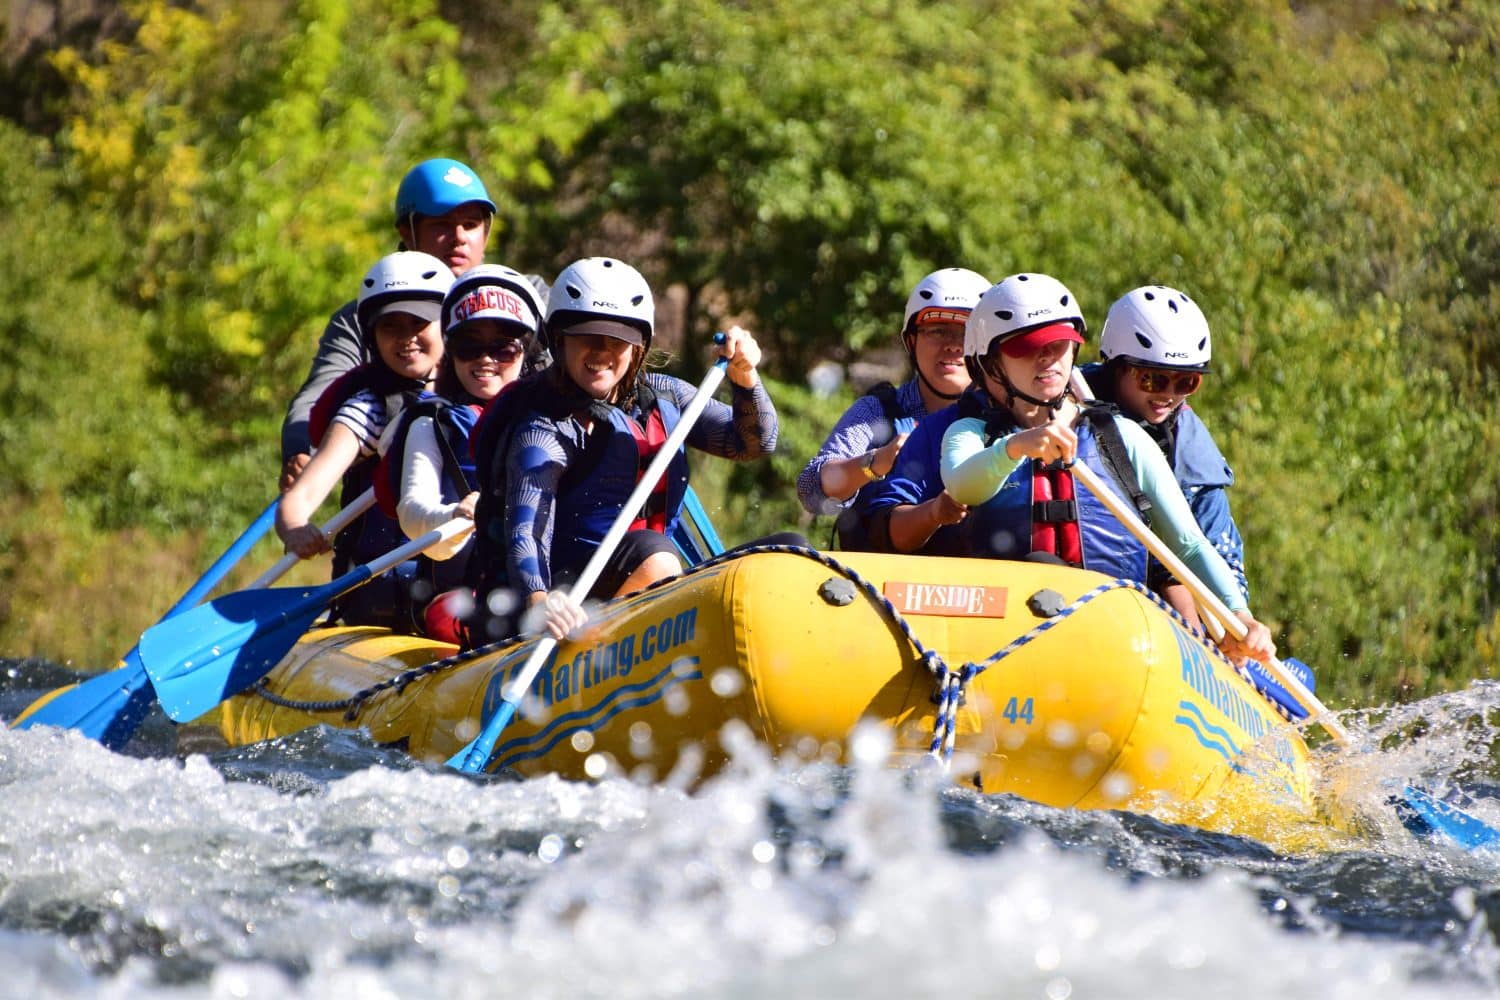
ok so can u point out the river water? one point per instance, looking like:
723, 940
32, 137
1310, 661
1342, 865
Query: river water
324, 866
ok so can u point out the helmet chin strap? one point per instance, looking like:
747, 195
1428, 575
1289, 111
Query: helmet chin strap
1014, 393
908, 338
940, 394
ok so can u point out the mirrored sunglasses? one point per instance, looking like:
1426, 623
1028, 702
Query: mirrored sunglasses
503, 351
1156, 380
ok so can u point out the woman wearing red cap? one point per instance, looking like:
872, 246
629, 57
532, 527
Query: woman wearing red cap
1018, 429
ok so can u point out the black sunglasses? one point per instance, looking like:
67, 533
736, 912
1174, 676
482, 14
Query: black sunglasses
504, 351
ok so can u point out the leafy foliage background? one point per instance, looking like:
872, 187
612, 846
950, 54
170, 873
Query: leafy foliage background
192, 188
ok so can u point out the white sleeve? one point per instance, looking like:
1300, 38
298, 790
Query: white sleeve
421, 507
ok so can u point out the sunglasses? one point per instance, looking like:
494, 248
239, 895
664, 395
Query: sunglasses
1154, 381
503, 351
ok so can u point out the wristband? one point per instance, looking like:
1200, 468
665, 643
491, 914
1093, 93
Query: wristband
868, 466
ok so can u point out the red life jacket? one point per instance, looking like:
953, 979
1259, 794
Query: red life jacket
1054, 525
648, 441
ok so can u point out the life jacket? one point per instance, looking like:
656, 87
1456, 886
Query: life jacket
374, 533
1200, 470
614, 437
1043, 508
851, 529
619, 449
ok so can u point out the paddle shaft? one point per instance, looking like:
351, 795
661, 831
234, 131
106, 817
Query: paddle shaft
335, 524
477, 754
342, 585
1207, 599
232, 555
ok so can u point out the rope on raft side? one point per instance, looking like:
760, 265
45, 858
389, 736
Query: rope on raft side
951, 684
350, 705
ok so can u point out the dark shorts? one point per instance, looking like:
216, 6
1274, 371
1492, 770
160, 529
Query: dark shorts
635, 548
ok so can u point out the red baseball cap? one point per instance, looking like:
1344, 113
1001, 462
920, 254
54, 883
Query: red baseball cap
1034, 340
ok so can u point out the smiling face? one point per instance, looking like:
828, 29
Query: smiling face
939, 355
597, 363
486, 357
409, 345
1152, 407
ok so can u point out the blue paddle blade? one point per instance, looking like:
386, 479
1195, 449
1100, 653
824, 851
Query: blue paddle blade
1266, 683
108, 708
218, 649
1427, 815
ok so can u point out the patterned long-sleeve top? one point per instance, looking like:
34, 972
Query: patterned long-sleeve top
542, 449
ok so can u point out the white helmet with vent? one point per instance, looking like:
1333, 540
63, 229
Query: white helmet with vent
1021, 304
405, 281
946, 294
1158, 327
602, 295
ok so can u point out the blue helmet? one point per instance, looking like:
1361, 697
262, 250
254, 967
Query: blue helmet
437, 187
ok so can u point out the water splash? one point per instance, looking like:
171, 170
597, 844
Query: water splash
323, 864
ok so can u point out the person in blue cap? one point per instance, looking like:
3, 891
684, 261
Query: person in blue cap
442, 209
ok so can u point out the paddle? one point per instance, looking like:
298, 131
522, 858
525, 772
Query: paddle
1465, 829
476, 755
218, 649
1207, 599
109, 707
695, 536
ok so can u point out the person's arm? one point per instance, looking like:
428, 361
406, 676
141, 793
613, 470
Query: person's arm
1181, 601
1173, 522
973, 470
421, 507
910, 526
743, 430
339, 450
834, 476
1210, 507
908, 507
340, 348
842, 478
537, 460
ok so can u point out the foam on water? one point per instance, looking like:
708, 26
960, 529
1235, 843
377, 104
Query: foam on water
348, 872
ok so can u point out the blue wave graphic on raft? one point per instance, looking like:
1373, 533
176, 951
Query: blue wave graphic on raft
564, 726
1191, 716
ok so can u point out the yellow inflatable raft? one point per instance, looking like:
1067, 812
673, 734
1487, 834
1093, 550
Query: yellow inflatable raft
1055, 684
